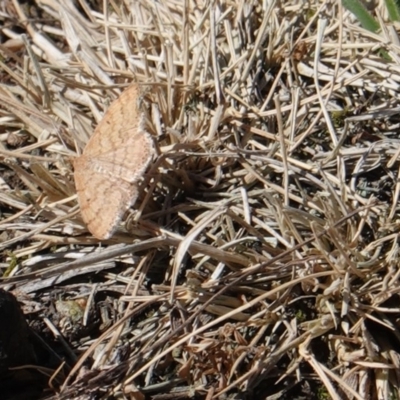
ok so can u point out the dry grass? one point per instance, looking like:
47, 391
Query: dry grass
261, 260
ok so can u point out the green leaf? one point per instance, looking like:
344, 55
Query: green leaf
393, 9
367, 21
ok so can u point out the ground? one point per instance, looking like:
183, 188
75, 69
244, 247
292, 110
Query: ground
260, 258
